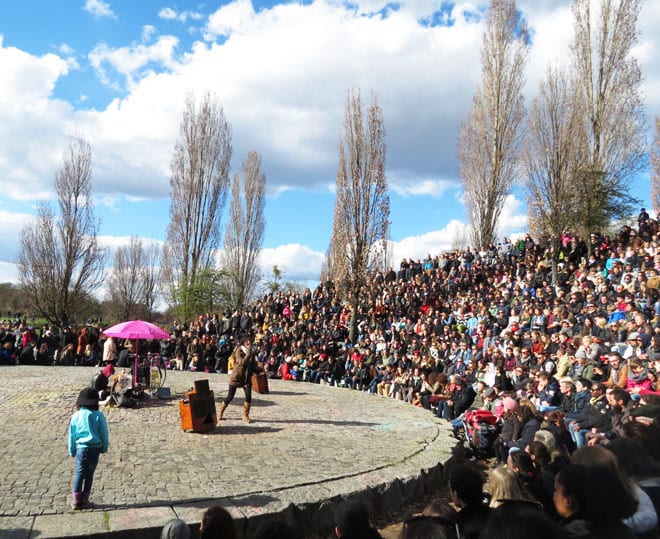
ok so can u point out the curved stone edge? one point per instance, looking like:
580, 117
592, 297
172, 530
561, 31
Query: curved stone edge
308, 508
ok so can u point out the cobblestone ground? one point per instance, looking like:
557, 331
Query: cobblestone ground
303, 434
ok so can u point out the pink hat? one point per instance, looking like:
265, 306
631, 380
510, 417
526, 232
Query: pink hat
509, 403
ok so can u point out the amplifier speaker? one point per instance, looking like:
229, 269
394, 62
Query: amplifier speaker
259, 383
197, 409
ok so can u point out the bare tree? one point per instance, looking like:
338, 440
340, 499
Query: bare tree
132, 281
609, 79
60, 261
362, 209
490, 139
655, 169
244, 235
199, 183
552, 158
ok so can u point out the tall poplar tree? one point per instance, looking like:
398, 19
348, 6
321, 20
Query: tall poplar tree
552, 157
490, 138
362, 208
655, 168
245, 232
60, 261
199, 183
609, 79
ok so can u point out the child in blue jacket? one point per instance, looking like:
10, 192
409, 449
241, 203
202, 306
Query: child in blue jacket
88, 438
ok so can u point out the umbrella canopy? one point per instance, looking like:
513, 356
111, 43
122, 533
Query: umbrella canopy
136, 329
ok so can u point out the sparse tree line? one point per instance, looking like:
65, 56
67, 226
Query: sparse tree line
62, 265
582, 143
575, 153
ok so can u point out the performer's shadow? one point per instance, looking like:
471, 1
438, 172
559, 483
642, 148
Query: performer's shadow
227, 430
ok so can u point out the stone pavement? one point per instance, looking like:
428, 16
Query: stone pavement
309, 447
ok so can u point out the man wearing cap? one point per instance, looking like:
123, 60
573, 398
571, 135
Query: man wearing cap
633, 345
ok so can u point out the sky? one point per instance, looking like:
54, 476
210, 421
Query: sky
117, 72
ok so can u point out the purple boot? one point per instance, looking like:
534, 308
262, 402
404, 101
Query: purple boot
76, 504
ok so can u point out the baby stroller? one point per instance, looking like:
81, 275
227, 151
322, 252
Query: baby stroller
481, 428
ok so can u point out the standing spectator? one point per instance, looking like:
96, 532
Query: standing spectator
88, 438
83, 343
109, 351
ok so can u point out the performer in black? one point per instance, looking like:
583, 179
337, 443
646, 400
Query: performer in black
241, 376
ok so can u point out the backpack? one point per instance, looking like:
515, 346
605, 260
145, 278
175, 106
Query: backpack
126, 401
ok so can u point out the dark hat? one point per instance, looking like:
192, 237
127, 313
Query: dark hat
88, 397
489, 392
648, 410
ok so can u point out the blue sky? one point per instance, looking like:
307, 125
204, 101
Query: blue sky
116, 72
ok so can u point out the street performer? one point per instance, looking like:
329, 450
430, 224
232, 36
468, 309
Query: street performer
241, 376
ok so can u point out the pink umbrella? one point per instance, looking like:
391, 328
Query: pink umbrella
136, 329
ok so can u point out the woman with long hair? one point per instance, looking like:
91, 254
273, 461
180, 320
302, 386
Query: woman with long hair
643, 518
592, 503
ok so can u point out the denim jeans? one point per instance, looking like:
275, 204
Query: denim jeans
86, 460
445, 411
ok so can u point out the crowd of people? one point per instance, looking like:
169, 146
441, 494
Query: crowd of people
565, 359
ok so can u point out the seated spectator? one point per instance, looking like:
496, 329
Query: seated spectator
643, 520
529, 475
124, 357
510, 430
592, 506
520, 519
504, 485
427, 527
352, 520
276, 530
175, 529
217, 523
618, 371
639, 466
459, 401
529, 424
466, 489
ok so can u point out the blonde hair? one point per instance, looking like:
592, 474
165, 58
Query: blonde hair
504, 485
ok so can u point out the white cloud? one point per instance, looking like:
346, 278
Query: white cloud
234, 17
456, 234
282, 75
296, 262
8, 272
421, 187
148, 30
11, 224
167, 13
99, 9
112, 243
66, 49
129, 61
287, 101
170, 15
